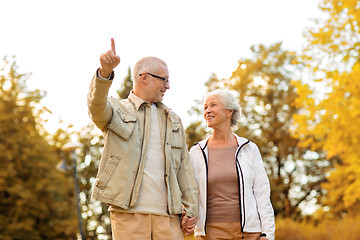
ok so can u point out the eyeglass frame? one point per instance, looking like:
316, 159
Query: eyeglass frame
163, 79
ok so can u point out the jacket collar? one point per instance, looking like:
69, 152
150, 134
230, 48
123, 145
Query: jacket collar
137, 102
203, 143
240, 140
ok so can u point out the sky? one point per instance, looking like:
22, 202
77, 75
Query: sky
60, 43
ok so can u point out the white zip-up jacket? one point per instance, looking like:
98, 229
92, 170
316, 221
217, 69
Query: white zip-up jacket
256, 211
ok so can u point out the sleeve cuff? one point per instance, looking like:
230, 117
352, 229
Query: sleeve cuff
111, 77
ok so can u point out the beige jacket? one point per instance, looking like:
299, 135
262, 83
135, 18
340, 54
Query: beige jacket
126, 132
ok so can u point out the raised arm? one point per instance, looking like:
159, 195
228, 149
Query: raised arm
100, 110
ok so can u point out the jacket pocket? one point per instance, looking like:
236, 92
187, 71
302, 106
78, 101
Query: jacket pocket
122, 123
107, 171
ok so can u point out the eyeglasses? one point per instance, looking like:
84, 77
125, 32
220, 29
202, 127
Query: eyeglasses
164, 80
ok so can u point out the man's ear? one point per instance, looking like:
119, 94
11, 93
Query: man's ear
143, 77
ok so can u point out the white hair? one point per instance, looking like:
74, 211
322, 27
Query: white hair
147, 64
230, 102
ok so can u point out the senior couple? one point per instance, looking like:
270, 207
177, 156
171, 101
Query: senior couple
154, 187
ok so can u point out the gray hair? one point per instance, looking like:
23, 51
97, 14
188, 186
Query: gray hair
147, 64
230, 102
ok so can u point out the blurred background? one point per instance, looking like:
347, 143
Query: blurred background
293, 65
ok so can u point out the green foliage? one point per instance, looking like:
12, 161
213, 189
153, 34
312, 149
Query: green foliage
195, 132
35, 199
126, 87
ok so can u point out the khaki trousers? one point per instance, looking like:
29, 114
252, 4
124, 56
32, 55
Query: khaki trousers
228, 231
136, 226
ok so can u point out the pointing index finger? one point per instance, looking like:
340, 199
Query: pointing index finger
113, 46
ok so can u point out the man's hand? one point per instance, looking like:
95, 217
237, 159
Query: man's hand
109, 60
187, 224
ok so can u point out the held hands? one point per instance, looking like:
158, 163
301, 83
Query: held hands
187, 224
109, 60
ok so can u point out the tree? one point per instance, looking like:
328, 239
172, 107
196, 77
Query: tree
126, 87
95, 214
267, 95
35, 199
194, 133
332, 54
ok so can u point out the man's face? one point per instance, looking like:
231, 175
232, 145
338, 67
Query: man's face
157, 87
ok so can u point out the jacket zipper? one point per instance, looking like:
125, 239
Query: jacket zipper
169, 199
138, 167
241, 197
206, 167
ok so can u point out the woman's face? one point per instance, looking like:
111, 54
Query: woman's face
215, 112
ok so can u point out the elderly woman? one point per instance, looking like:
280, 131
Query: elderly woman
234, 190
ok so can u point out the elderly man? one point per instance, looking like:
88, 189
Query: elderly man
144, 174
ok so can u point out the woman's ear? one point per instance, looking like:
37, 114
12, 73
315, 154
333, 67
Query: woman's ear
230, 112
